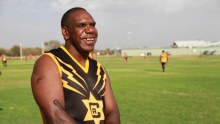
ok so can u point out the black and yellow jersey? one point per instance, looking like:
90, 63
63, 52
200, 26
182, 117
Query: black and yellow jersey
84, 87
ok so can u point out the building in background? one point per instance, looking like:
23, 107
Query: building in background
193, 47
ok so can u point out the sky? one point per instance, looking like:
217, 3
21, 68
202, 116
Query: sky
120, 23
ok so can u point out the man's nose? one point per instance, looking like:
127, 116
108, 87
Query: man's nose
90, 29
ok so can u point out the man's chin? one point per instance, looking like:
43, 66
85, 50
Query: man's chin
90, 49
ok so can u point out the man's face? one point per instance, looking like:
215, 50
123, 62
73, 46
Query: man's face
82, 32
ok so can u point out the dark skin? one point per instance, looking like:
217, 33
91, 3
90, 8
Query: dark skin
80, 35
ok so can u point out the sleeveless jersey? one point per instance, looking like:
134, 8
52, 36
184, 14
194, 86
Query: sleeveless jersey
84, 87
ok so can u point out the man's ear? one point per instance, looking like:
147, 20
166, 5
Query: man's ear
65, 33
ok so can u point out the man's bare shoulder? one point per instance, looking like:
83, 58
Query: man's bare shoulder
45, 64
44, 60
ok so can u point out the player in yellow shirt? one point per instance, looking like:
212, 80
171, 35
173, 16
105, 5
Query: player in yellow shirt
163, 59
4, 59
126, 57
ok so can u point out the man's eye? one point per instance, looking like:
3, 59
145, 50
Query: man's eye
93, 24
81, 25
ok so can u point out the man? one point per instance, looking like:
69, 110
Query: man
4, 60
163, 59
126, 57
68, 86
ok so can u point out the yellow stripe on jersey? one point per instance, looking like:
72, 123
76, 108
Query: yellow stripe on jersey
73, 70
65, 84
103, 85
70, 76
85, 69
55, 60
98, 74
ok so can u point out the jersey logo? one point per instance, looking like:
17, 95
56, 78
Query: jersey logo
94, 108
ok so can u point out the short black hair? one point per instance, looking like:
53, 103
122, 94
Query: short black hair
64, 20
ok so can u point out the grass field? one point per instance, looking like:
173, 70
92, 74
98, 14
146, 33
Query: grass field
187, 93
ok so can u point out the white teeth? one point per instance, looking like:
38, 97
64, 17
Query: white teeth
89, 38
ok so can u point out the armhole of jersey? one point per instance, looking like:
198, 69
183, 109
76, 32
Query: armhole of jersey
55, 60
105, 75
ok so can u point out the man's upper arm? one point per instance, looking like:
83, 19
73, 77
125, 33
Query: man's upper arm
46, 85
111, 112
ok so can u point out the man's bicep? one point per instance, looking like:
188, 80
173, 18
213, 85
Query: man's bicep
111, 112
109, 97
46, 85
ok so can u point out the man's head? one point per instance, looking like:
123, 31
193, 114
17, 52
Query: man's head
67, 14
78, 29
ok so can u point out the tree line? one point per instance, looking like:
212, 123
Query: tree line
16, 50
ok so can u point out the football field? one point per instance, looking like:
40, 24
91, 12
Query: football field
187, 93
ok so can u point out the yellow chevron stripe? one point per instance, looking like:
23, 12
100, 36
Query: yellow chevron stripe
98, 74
65, 85
70, 76
103, 94
73, 70
103, 84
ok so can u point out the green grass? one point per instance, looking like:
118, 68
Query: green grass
187, 93
17, 105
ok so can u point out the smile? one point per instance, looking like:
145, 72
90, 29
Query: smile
90, 39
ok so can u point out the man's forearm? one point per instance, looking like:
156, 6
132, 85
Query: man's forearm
113, 118
60, 116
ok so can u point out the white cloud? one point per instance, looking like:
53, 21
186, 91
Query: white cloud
67, 4
175, 6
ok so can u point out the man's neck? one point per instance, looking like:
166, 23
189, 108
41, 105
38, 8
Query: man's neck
79, 57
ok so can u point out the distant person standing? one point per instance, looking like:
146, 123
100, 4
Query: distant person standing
126, 57
163, 59
4, 59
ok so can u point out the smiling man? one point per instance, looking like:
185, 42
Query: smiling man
70, 87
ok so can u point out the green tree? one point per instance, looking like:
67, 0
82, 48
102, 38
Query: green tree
26, 51
15, 50
108, 51
36, 51
52, 44
2, 50
32, 51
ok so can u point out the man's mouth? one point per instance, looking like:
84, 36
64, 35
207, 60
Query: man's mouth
90, 40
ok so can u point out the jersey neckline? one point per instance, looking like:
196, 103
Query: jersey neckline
84, 68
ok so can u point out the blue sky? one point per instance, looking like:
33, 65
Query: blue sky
121, 23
